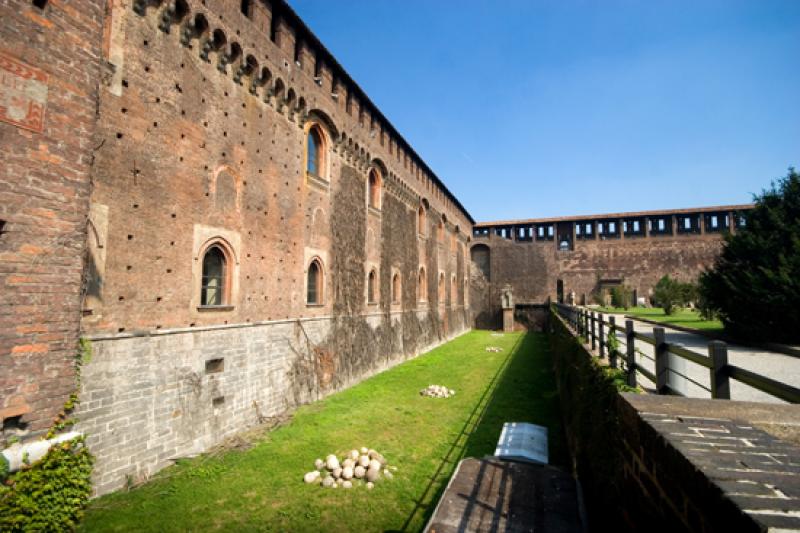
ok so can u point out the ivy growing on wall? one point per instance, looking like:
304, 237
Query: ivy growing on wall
50, 494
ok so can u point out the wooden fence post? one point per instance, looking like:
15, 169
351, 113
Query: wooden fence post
602, 339
662, 361
612, 352
585, 320
630, 352
720, 383
594, 338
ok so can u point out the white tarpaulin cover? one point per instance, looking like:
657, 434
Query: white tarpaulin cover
520, 441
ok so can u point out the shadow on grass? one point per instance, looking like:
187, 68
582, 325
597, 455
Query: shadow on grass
522, 390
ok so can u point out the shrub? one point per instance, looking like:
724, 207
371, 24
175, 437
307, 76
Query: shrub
754, 285
667, 294
620, 296
50, 494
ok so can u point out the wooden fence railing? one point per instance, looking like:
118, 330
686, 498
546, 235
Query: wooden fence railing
591, 326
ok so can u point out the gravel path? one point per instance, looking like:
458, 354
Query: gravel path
784, 368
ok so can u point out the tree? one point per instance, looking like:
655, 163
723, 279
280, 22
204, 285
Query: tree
754, 286
668, 293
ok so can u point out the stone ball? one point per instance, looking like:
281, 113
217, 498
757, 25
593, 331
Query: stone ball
348, 463
373, 474
387, 473
370, 485
363, 461
359, 471
331, 462
374, 463
347, 485
328, 482
337, 473
375, 455
311, 477
354, 455
364, 450
347, 472
319, 464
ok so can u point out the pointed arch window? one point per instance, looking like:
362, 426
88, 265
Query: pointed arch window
421, 220
214, 288
374, 189
372, 290
422, 285
396, 288
314, 283
315, 152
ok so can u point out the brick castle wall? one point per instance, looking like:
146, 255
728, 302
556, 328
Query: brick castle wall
198, 144
533, 269
662, 463
49, 72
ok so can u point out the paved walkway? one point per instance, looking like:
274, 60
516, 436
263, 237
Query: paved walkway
784, 368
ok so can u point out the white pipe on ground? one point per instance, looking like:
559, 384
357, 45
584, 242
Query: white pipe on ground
17, 454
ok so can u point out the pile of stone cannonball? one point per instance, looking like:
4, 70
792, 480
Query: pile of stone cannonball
493, 349
437, 391
357, 467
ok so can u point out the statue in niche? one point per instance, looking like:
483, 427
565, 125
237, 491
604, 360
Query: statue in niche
506, 298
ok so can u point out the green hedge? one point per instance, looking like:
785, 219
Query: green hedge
49, 495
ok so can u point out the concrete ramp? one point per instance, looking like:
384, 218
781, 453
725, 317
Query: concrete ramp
491, 495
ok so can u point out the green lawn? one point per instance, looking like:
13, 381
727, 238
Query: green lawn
261, 489
687, 318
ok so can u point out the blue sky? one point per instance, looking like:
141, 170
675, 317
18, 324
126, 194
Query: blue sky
542, 108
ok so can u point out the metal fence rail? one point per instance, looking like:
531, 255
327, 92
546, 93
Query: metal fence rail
597, 332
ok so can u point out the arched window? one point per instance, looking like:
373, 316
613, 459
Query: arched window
442, 289
440, 232
422, 285
314, 283
214, 286
315, 152
421, 220
396, 288
372, 282
374, 192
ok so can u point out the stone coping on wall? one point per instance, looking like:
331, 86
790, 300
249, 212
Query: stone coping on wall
238, 325
736, 463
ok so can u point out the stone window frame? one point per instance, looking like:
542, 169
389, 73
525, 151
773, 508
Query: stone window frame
228, 274
320, 282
